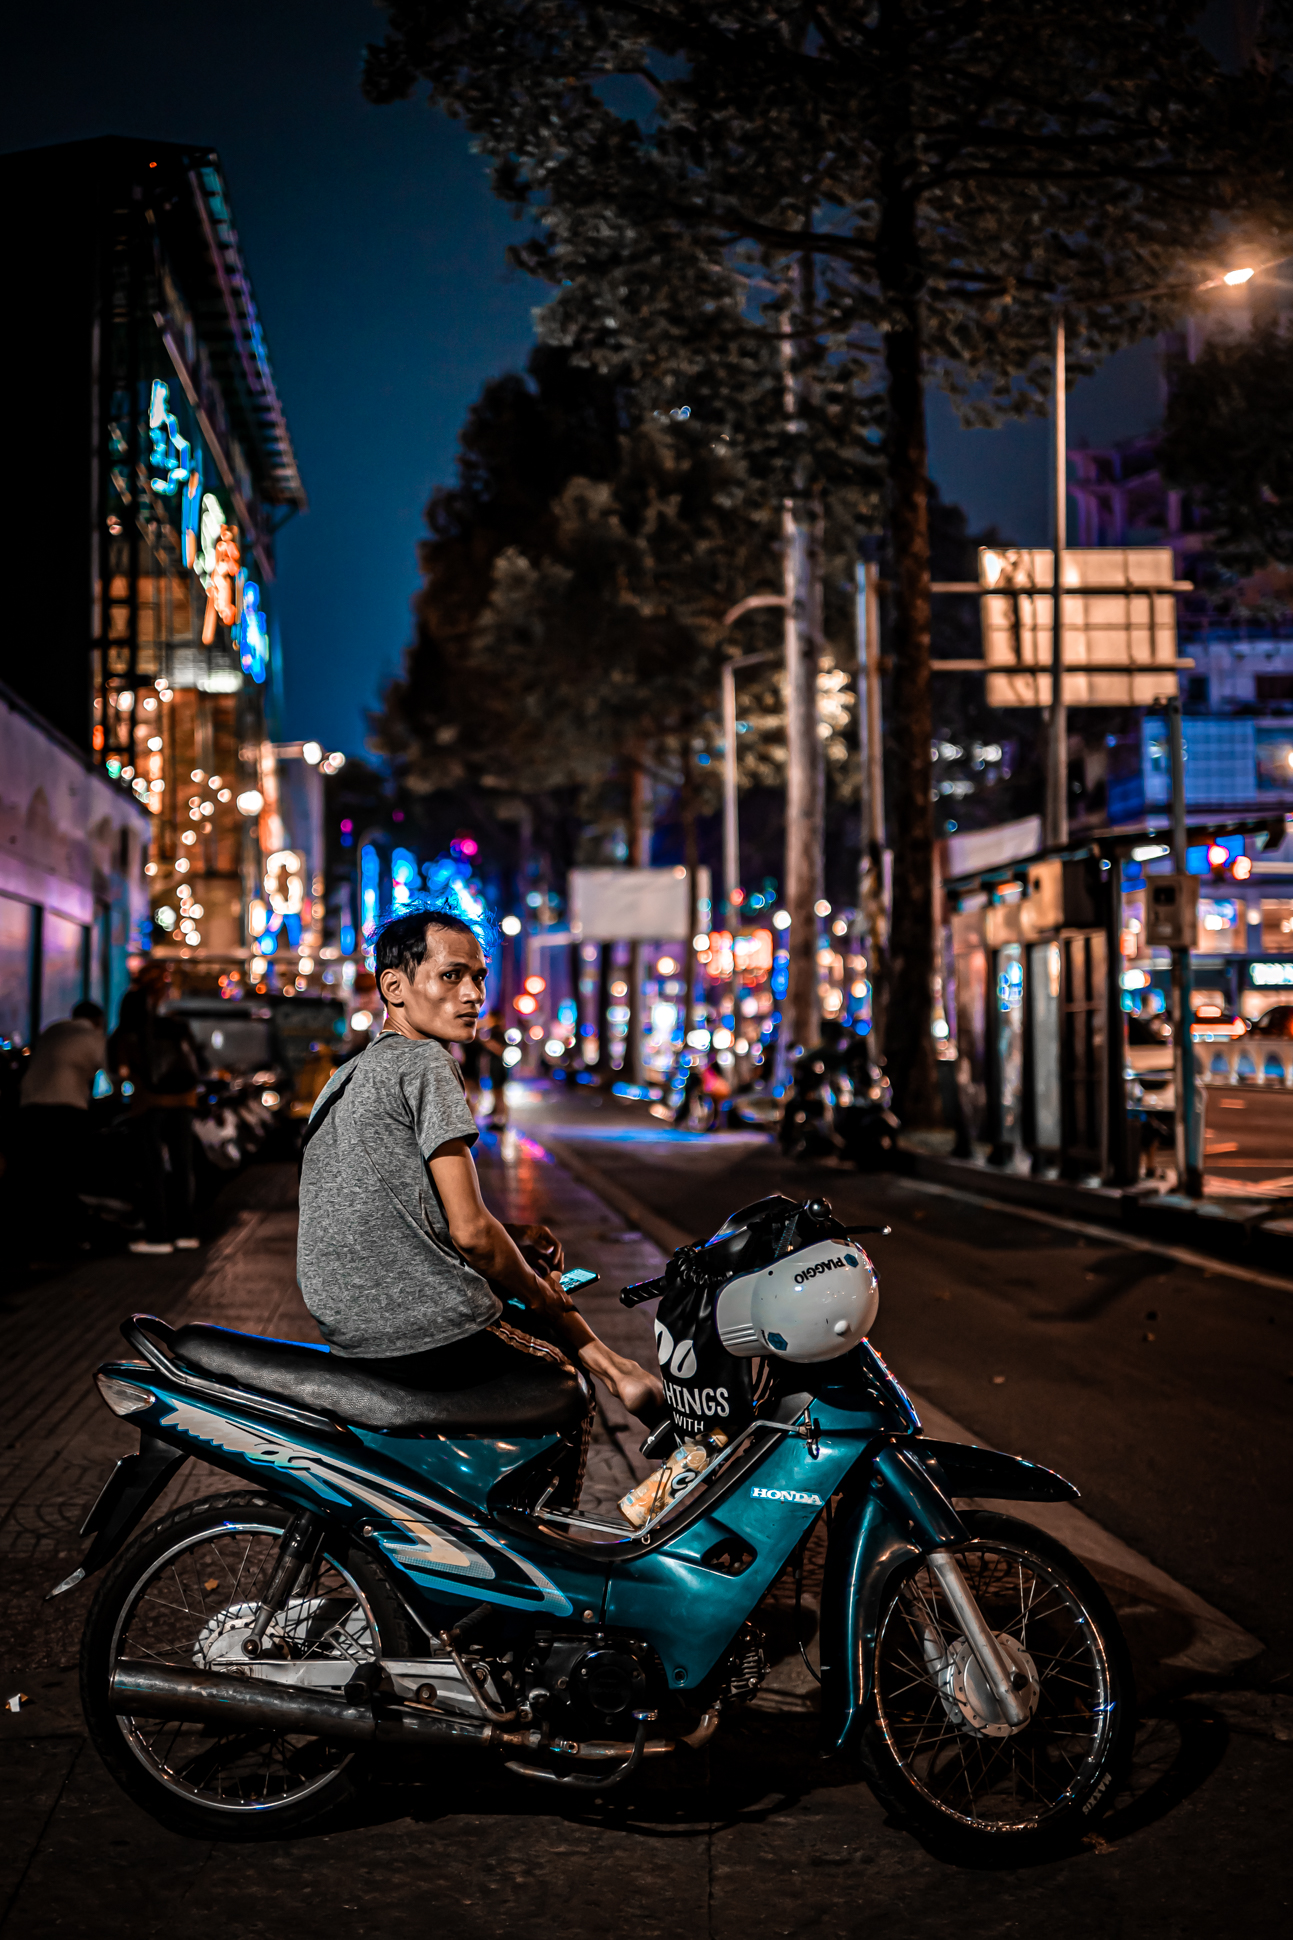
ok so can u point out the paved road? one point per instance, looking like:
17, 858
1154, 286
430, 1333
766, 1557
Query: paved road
1162, 1390
759, 1837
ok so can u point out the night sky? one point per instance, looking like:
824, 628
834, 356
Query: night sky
376, 251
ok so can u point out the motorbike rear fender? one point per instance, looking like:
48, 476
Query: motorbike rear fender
893, 1512
123, 1502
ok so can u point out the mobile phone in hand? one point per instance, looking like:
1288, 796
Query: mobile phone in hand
578, 1276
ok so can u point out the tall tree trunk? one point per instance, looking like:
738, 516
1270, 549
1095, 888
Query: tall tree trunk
605, 977
640, 817
805, 779
909, 1047
801, 566
691, 857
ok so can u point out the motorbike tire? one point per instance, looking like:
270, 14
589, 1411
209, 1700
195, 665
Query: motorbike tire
126, 1745
928, 1801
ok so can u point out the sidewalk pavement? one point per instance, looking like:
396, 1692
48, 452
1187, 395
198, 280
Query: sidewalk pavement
1249, 1228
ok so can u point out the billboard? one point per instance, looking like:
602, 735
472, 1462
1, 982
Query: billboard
635, 905
1119, 613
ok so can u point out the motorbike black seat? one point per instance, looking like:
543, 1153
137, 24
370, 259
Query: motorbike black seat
537, 1399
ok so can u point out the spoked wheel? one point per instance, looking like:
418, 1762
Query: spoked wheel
938, 1752
186, 1593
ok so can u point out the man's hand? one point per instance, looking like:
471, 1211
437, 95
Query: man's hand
549, 1297
641, 1393
539, 1246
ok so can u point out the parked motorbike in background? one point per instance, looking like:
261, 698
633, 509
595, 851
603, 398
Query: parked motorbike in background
839, 1104
410, 1569
695, 1094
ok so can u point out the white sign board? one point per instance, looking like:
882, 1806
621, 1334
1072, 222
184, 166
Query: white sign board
1125, 621
634, 905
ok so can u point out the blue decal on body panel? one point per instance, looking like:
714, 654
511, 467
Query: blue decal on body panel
417, 1544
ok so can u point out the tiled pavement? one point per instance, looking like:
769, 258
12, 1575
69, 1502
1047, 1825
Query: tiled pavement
59, 1441
756, 1837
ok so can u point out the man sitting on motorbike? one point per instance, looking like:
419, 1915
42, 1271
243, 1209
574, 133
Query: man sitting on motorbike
399, 1260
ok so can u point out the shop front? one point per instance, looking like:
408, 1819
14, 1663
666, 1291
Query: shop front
1049, 963
73, 893
160, 652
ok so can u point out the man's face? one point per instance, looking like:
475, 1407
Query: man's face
445, 996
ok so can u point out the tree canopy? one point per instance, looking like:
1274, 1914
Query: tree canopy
1228, 440
803, 215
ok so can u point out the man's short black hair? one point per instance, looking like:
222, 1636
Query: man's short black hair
402, 941
92, 1012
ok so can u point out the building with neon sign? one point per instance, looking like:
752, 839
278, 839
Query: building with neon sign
152, 469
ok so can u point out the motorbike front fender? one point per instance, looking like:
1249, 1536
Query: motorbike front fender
964, 1469
897, 1514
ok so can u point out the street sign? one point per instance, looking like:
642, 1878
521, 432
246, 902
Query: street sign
1172, 911
633, 905
1118, 631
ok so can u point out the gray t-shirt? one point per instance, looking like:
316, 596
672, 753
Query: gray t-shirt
374, 1257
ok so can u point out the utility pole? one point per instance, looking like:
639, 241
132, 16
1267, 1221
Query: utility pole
641, 815
871, 895
1057, 737
1189, 1173
805, 767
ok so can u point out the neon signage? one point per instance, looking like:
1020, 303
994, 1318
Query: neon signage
1271, 976
169, 453
223, 585
404, 877
370, 869
191, 513
250, 636
284, 883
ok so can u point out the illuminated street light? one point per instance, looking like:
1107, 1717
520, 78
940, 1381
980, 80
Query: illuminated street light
250, 802
1233, 276
311, 752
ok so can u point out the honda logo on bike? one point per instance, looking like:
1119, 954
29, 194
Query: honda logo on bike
789, 1495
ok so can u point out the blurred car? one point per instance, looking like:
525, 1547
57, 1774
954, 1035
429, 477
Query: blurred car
276, 1051
1276, 1022
1213, 1025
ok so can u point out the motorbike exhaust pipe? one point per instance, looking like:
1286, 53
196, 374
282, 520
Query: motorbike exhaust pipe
228, 1704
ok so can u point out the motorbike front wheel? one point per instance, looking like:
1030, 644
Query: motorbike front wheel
185, 1593
937, 1752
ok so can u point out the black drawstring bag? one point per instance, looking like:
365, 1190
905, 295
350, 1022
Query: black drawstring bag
707, 1390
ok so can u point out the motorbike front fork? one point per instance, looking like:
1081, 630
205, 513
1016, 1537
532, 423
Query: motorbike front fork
1008, 1686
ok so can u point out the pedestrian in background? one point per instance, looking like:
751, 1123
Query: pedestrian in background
53, 1130
156, 1051
491, 1045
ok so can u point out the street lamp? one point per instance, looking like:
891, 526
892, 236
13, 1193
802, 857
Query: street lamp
731, 833
1057, 802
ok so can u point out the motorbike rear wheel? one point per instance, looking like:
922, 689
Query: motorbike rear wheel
942, 1768
182, 1593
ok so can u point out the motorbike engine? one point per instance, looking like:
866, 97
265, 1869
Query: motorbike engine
592, 1687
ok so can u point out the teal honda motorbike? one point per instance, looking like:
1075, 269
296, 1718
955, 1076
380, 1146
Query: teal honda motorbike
406, 1569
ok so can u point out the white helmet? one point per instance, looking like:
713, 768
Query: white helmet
810, 1306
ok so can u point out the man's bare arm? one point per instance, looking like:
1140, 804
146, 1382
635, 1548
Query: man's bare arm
484, 1241
485, 1244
